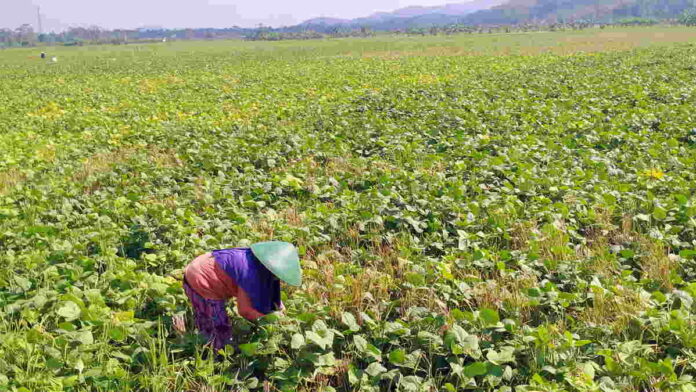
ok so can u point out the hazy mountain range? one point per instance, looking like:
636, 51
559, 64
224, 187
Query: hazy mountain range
551, 11
482, 12
411, 16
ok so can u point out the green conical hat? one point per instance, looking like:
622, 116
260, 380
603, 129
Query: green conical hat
281, 259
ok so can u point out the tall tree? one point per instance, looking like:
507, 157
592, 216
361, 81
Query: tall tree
25, 35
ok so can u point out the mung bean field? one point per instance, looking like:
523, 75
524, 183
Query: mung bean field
488, 212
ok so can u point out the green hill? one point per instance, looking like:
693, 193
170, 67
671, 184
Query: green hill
552, 11
491, 12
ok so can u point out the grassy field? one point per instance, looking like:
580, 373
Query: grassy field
476, 212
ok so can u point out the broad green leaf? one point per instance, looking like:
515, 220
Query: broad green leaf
415, 278
127, 316
410, 384
249, 349
84, 337
320, 341
375, 369
589, 370
659, 213
489, 316
475, 369
22, 282
79, 366
326, 360
349, 320
69, 311
504, 355
53, 363
455, 335
118, 334
354, 374
397, 356
297, 341
360, 343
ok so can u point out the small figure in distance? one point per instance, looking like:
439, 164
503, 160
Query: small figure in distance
251, 275
54, 59
43, 55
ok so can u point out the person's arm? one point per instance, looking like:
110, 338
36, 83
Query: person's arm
245, 307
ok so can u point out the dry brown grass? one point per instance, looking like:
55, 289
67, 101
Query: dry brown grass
100, 163
196, 386
522, 233
599, 237
655, 263
9, 179
199, 188
613, 307
354, 292
424, 297
354, 236
389, 261
104, 162
600, 260
46, 153
164, 158
292, 217
367, 288
550, 242
264, 228
168, 202
336, 377
506, 292
338, 165
319, 274
553, 244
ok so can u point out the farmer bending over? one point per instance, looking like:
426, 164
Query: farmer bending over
252, 275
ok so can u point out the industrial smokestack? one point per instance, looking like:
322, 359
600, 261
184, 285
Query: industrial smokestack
38, 16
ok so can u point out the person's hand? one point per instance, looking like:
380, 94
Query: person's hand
179, 324
245, 307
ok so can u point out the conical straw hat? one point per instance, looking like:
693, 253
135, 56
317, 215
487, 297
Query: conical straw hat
281, 259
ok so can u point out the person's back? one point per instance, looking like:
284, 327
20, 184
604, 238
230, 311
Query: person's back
251, 276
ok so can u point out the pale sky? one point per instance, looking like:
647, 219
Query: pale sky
57, 14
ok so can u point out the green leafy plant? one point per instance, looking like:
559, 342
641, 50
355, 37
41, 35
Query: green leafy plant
522, 216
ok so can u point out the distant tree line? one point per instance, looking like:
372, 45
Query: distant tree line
25, 36
688, 18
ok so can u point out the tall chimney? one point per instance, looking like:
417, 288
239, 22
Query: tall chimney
38, 15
